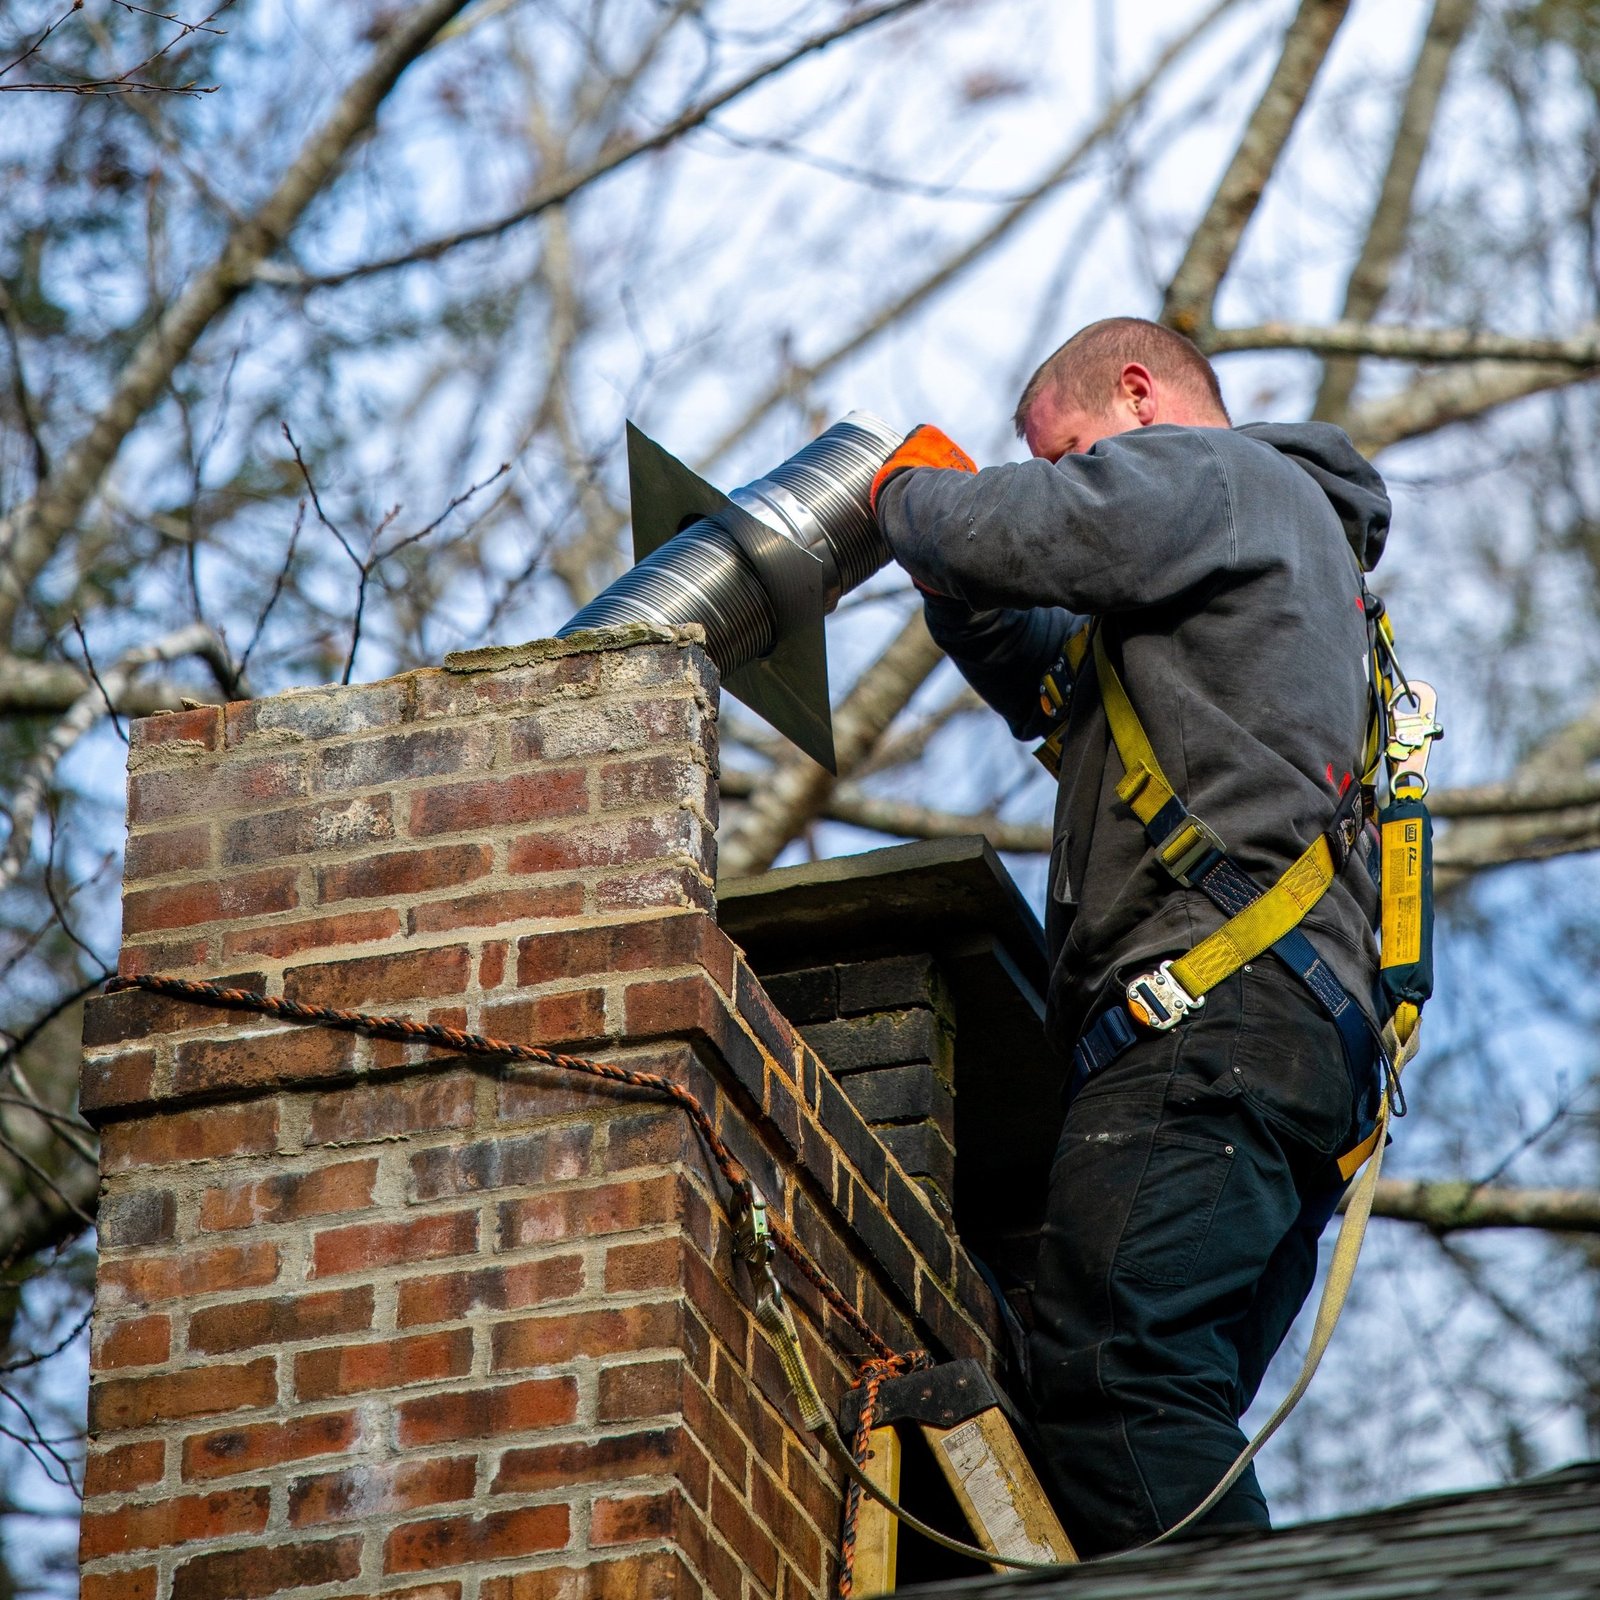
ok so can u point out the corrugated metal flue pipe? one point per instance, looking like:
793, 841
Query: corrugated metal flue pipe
758, 568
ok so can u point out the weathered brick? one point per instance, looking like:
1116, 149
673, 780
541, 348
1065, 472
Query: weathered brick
640, 1389
116, 1078
559, 1336
283, 1320
633, 1518
678, 887
216, 899
486, 1413
902, 1094
156, 854
136, 1583
579, 1213
399, 758
553, 1155
716, 1434
135, 1342
450, 1296
304, 830
365, 1245
162, 955
810, 994
177, 1521
453, 1541
643, 1264
499, 802
223, 1452
923, 1151
661, 780
648, 1139
883, 1240
780, 1514
209, 1134
656, 1575
367, 1113
167, 1397
281, 940
339, 1370
206, 789
880, 1039
756, 1546
529, 902
123, 1468
891, 983
199, 727
680, 939
130, 1217
373, 1490
145, 1280
333, 712
363, 980
623, 840
403, 872
257, 1571
589, 729
288, 1196
134, 1015
573, 1016
570, 1461
288, 1055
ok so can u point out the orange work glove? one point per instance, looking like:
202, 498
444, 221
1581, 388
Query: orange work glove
924, 446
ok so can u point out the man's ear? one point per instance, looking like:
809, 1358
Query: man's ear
1137, 391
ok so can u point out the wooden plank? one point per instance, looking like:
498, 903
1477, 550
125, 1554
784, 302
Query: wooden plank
990, 1476
877, 1531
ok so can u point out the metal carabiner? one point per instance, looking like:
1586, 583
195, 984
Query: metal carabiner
1411, 737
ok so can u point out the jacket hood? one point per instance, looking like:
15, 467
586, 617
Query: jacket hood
1345, 476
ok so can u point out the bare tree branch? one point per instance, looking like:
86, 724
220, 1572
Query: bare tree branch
29, 536
1407, 344
46, 688
90, 706
1391, 215
1193, 290
555, 191
1448, 1207
798, 788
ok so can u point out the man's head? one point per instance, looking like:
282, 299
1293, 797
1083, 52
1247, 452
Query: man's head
1112, 377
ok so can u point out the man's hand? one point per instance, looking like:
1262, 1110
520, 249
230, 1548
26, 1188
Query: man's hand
924, 446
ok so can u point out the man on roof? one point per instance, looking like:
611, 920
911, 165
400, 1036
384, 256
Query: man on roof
1222, 569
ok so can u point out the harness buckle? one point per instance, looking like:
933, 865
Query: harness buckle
1194, 842
1159, 1001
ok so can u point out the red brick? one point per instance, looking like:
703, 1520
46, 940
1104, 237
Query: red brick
778, 1512
576, 1016
169, 1397
481, 1413
569, 1213
363, 980
152, 854
224, 1452
302, 830
622, 841
136, 1584
675, 887
647, 1264
453, 1541
163, 955
403, 872
287, 1056
654, 1575
139, 1342
809, 1482
639, 1516
388, 1364
716, 1434
142, 1280
288, 1196
640, 1389
216, 786
497, 802
527, 903
570, 1461
755, 1545
396, 759
213, 899
492, 964
651, 781
373, 1490
117, 1079
559, 1336
134, 1016
367, 1113
649, 1139
449, 1590
189, 1517
201, 725
122, 1468
242, 1324
366, 1245
644, 944
281, 940
258, 1571
451, 1296
209, 1134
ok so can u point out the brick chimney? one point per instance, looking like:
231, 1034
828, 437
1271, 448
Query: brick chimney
378, 1320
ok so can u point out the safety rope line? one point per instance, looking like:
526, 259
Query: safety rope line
869, 1380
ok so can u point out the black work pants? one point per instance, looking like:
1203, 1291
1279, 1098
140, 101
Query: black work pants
1192, 1180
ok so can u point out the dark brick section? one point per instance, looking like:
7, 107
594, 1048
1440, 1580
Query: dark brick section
922, 1150
145, 1216
880, 1039
904, 1094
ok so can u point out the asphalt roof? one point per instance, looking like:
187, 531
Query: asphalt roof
1538, 1540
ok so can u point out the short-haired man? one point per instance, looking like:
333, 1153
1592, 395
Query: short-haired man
1223, 569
